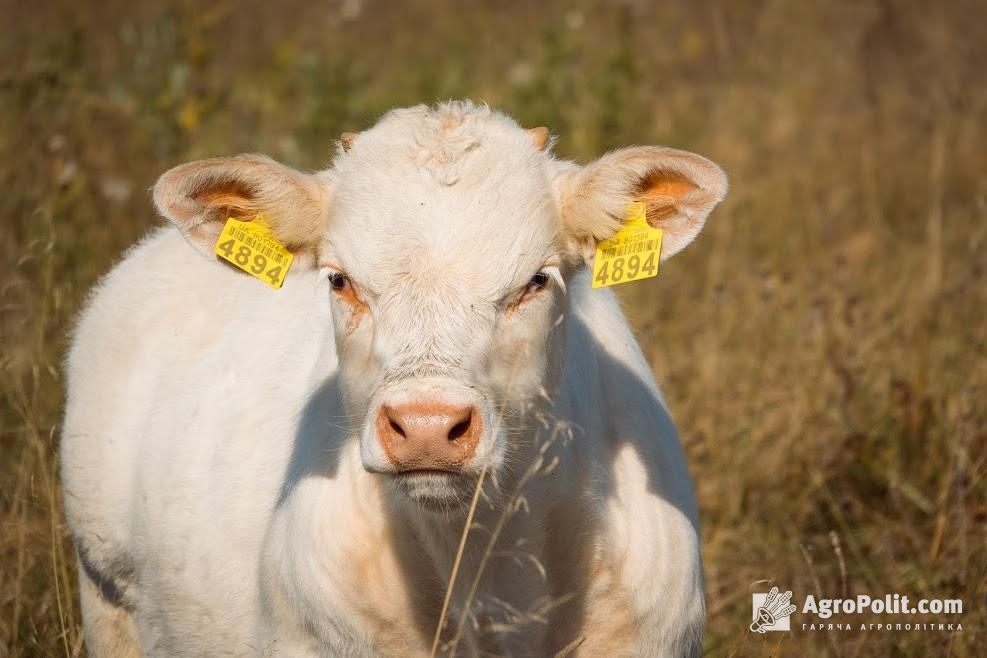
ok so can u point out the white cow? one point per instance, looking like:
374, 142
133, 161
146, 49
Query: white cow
288, 472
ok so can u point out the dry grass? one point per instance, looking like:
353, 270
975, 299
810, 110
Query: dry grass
823, 346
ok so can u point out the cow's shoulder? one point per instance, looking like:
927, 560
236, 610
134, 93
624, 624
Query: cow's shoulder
159, 272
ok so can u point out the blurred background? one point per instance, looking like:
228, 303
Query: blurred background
822, 346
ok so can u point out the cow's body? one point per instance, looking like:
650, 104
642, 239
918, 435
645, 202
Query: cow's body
218, 500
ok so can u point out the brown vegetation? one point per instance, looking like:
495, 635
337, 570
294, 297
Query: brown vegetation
823, 345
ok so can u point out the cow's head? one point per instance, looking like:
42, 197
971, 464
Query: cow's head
445, 239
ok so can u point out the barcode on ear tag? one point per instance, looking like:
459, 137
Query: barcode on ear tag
631, 254
252, 247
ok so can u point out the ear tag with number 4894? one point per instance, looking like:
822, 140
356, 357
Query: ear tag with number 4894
252, 247
631, 254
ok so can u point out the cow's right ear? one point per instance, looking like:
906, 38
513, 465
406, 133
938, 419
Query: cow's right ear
200, 196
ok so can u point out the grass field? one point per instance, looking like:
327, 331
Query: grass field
822, 346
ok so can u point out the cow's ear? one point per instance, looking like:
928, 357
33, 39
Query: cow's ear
200, 196
679, 189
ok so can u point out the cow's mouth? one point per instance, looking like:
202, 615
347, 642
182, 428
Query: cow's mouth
436, 490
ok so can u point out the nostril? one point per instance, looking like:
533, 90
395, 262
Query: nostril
397, 429
461, 428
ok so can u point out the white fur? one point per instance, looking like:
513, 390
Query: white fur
223, 482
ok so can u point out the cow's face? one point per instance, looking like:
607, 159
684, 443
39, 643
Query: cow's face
444, 264
445, 239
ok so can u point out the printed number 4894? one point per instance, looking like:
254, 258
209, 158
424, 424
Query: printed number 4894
625, 268
246, 258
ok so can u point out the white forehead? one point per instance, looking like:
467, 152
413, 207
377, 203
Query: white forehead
457, 187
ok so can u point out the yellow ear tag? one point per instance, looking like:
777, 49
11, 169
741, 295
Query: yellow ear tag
631, 254
252, 247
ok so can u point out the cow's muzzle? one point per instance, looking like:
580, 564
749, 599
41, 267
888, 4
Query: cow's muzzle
428, 434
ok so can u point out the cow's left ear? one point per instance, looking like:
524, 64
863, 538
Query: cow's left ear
200, 196
679, 189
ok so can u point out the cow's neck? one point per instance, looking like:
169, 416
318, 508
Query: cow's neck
510, 525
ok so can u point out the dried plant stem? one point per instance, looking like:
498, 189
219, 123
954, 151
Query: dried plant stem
572, 646
458, 561
507, 513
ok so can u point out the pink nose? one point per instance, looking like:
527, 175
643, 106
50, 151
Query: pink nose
428, 435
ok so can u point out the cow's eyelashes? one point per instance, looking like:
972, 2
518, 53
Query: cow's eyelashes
340, 282
539, 281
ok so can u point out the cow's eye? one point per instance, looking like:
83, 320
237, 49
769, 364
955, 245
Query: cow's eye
339, 282
539, 281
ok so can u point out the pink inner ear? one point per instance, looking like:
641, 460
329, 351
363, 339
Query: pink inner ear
661, 191
228, 200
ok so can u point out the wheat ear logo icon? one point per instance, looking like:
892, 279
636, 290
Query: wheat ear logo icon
774, 608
